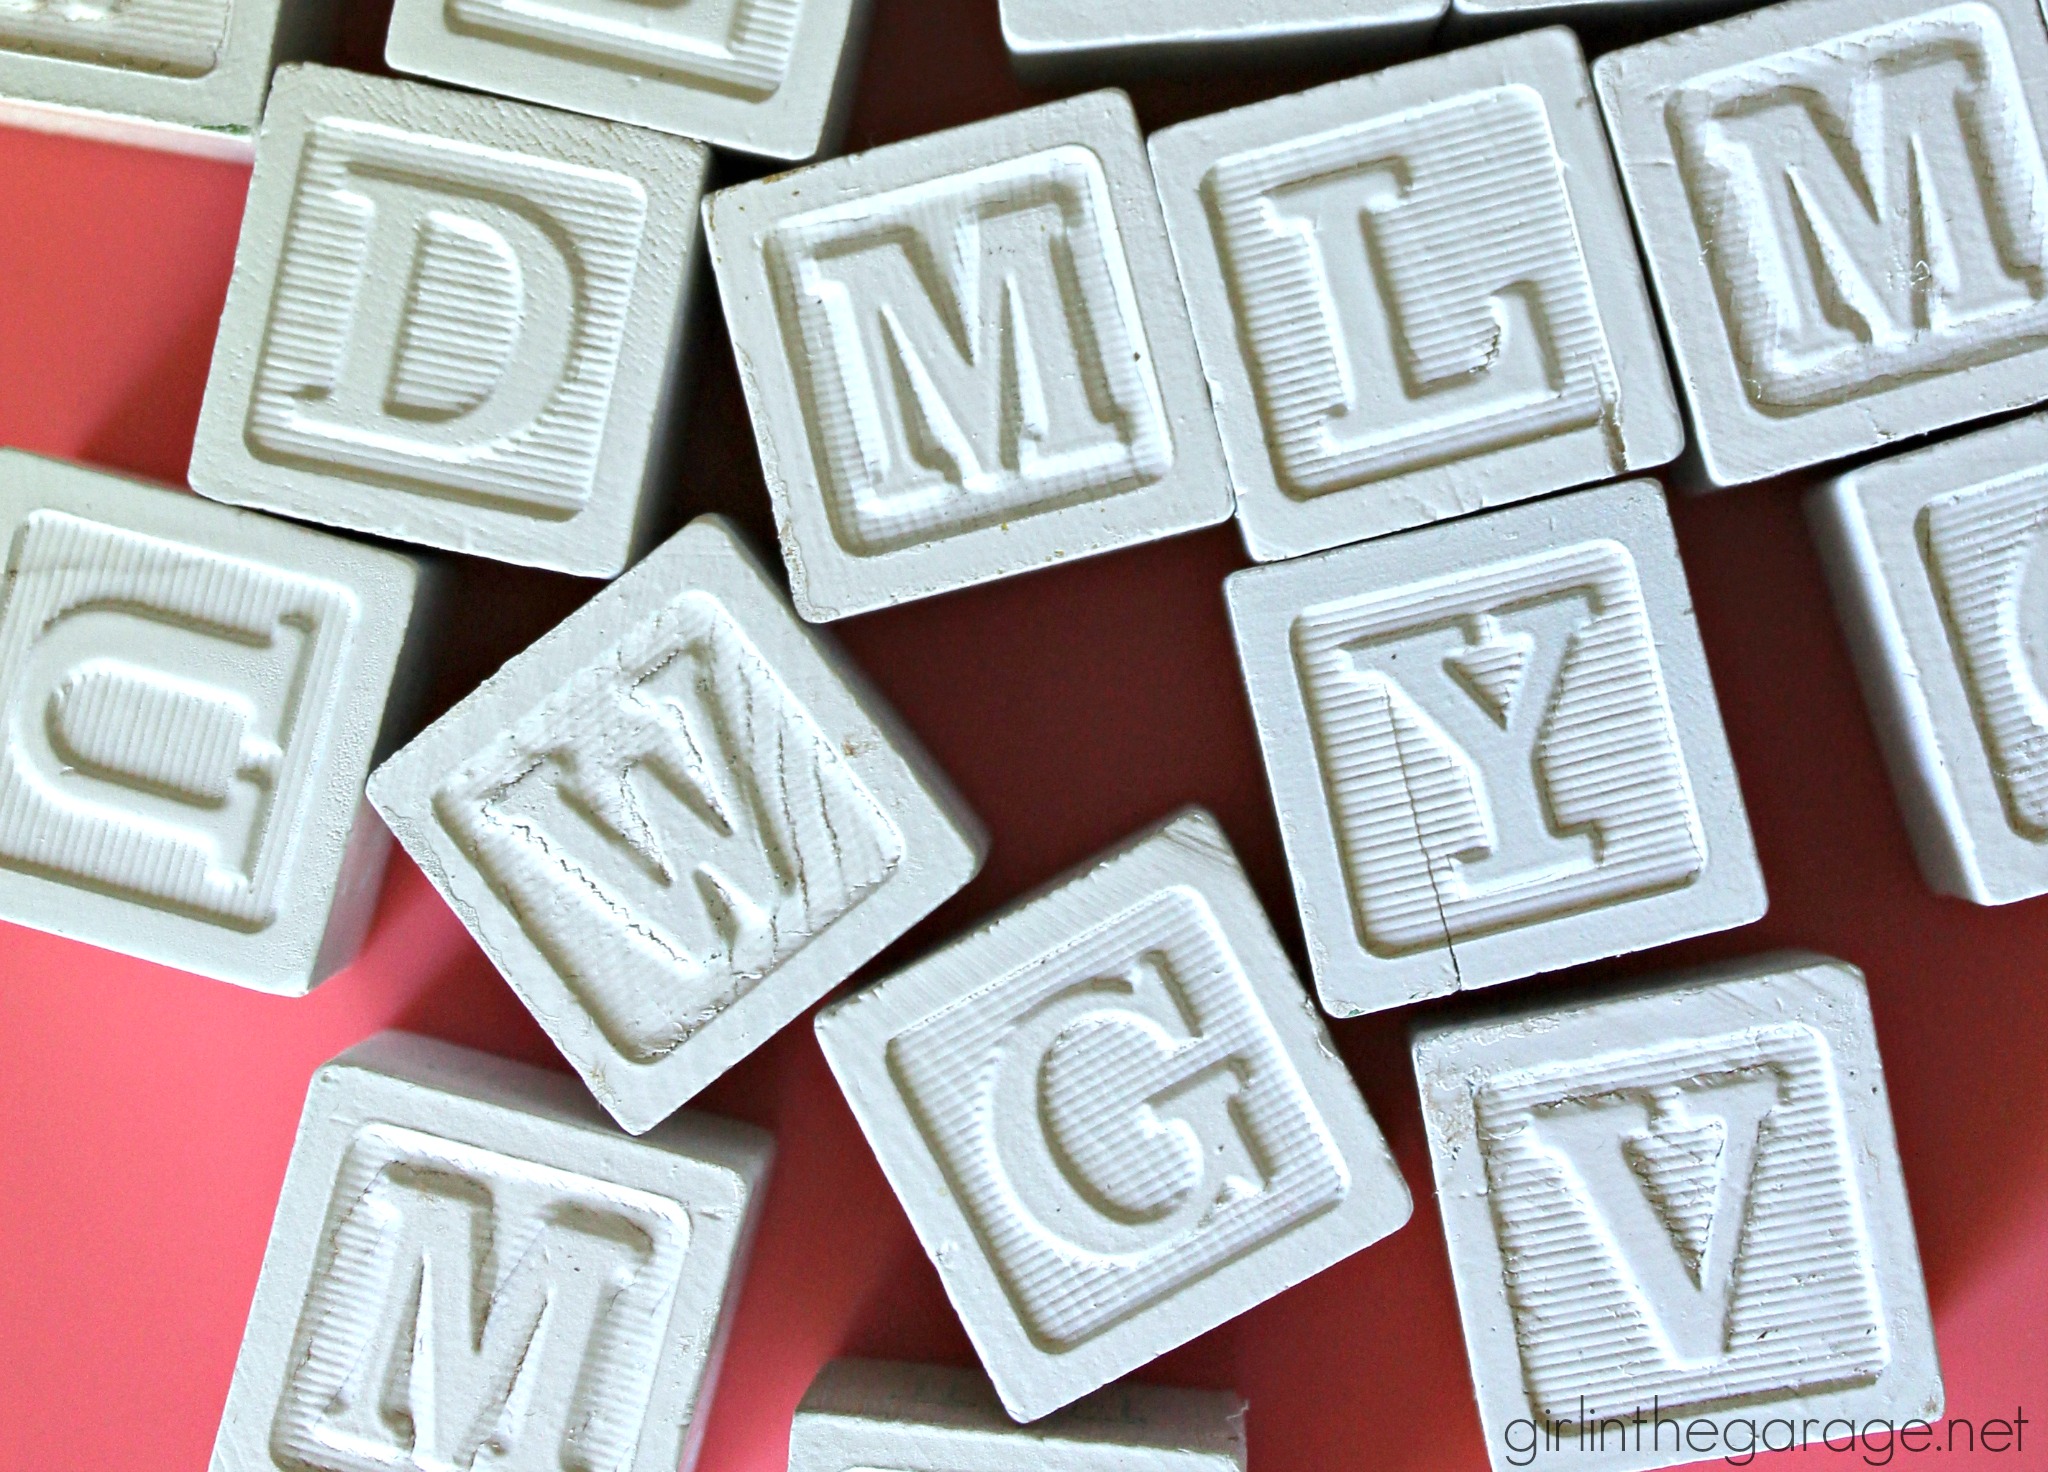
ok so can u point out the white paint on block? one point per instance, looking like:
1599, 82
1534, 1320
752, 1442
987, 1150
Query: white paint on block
470, 1267
1932, 558
677, 821
1416, 295
1113, 1117
967, 356
1845, 208
454, 321
190, 699
861, 1415
187, 75
1050, 37
1686, 1195
767, 77
1494, 748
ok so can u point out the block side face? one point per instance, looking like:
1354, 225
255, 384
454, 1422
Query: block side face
454, 320
1436, 363
1078, 1233
1712, 1162
192, 696
674, 826
1932, 556
178, 64
762, 78
1428, 712
1037, 28
871, 1413
400, 1199
1710, 124
1013, 276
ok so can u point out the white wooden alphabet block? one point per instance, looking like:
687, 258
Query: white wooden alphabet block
1843, 205
1049, 39
864, 1414
453, 320
1494, 748
187, 75
190, 699
1933, 560
1675, 1214
1416, 295
967, 356
1113, 1117
469, 1267
676, 822
768, 77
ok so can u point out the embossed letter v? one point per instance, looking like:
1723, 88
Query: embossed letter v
1668, 1178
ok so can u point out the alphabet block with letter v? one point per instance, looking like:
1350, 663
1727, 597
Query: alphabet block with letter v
1674, 1208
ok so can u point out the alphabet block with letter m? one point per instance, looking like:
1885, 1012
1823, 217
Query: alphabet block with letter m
967, 356
471, 1268
1845, 208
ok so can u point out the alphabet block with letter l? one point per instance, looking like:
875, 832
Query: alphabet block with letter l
454, 320
1416, 295
1674, 1210
469, 1266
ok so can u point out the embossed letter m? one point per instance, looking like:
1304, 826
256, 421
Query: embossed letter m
969, 351
471, 1310
1874, 209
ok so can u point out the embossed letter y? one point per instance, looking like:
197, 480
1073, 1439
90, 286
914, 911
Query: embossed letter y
1497, 748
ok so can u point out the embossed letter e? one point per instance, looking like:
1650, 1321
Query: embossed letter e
448, 316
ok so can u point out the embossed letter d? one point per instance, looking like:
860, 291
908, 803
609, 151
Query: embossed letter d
447, 316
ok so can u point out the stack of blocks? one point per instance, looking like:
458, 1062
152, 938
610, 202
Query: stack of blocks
1399, 329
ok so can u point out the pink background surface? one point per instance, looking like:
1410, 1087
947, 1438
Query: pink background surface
146, 1115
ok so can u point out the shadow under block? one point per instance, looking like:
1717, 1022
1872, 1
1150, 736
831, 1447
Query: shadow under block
773, 78
967, 356
1932, 558
1842, 204
865, 1414
192, 697
469, 1266
455, 321
676, 822
1682, 1201
1494, 748
184, 75
1416, 295
1113, 1117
